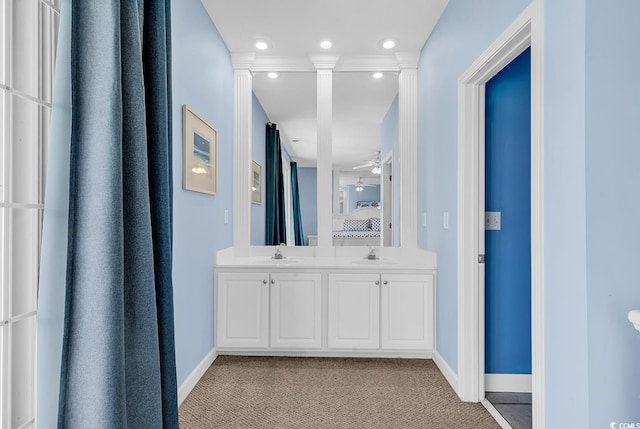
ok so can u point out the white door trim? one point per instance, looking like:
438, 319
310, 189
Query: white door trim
525, 31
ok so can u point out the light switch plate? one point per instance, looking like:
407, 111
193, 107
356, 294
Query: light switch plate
492, 221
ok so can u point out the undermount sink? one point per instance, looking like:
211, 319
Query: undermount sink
379, 261
272, 261
634, 317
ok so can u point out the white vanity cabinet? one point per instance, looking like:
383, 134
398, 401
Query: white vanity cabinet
296, 310
353, 309
242, 310
407, 311
262, 310
335, 303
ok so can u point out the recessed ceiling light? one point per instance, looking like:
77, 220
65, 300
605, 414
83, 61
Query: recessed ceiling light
326, 44
272, 75
377, 75
262, 45
389, 44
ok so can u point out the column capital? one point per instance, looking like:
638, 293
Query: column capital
324, 61
242, 60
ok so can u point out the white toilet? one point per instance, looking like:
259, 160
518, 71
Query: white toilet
634, 317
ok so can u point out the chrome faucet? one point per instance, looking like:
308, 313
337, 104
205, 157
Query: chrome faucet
372, 255
278, 254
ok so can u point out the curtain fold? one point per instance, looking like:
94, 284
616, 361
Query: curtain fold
295, 203
275, 219
118, 357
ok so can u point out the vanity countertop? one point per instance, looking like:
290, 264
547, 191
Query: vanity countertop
351, 258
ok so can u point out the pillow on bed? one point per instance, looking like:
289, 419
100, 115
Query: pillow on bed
375, 223
356, 225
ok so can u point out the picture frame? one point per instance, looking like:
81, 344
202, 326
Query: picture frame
256, 183
200, 154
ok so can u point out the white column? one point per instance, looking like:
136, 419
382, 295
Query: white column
408, 141
324, 144
242, 105
336, 192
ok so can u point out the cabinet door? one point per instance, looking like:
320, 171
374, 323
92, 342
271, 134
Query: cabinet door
242, 310
354, 311
407, 312
296, 310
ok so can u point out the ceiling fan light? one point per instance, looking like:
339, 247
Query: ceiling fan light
376, 169
359, 188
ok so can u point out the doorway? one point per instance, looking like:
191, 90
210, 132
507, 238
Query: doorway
524, 32
505, 241
387, 200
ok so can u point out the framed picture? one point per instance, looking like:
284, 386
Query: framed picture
200, 151
256, 183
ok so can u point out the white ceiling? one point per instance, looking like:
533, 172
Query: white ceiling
294, 29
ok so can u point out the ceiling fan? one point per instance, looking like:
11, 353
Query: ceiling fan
360, 185
374, 164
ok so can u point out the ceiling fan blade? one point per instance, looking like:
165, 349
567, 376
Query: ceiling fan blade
368, 164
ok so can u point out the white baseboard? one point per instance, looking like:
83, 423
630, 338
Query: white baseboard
504, 424
195, 376
518, 383
446, 370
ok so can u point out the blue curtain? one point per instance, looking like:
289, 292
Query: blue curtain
295, 202
118, 356
276, 227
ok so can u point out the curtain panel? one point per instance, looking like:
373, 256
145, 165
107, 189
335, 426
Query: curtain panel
295, 203
275, 218
118, 356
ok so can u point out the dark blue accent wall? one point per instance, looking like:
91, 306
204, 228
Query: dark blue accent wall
508, 251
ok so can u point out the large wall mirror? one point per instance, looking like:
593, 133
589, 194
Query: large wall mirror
364, 141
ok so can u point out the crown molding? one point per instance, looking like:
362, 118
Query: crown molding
268, 63
368, 63
408, 60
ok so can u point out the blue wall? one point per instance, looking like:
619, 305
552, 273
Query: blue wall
612, 155
465, 30
308, 188
566, 354
507, 190
198, 223
389, 132
370, 193
258, 152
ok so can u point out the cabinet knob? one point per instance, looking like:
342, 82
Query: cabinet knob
377, 282
273, 282
385, 282
264, 282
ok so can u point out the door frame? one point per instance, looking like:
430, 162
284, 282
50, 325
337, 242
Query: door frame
525, 31
387, 199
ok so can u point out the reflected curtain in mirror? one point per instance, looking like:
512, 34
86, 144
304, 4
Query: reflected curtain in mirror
275, 228
295, 200
118, 355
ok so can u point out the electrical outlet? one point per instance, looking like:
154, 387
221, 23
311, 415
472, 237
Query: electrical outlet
492, 221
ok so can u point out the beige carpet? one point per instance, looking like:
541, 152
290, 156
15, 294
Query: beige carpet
275, 392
